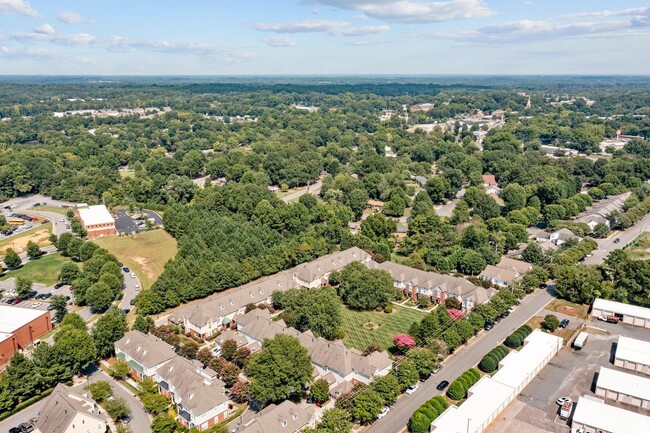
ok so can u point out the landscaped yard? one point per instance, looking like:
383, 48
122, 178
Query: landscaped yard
39, 234
145, 253
44, 270
399, 321
568, 308
640, 247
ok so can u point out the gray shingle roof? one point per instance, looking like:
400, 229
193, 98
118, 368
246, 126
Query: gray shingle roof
284, 418
62, 406
333, 355
198, 391
147, 350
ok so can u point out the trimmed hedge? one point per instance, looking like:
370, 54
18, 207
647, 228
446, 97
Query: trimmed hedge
516, 339
490, 362
459, 387
423, 417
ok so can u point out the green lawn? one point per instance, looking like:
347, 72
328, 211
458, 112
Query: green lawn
145, 253
54, 209
44, 270
397, 322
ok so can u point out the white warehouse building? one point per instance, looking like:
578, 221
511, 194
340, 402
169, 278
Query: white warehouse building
631, 314
624, 387
594, 416
633, 354
490, 395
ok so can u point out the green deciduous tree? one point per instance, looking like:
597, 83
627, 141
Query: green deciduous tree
282, 368
12, 260
99, 297
69, 272
100, 390
33, 250
320, 391
362, 288
107, 330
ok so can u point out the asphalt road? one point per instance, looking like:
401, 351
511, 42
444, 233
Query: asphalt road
124, 224
130, 291
157, 219
140, 421
24, 203
605, 246
459, 362
314, 189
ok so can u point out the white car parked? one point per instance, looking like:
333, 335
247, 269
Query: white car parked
411, 389
383, 413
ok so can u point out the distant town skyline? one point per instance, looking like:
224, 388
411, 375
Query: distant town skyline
202, 37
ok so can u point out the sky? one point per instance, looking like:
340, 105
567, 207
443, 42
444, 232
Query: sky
318, 37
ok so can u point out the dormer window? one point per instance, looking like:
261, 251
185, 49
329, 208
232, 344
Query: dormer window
222, 307
319, 269
294, 416
261, 292
284, 423
252, 295
232, 303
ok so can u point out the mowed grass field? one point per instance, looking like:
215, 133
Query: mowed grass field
399, 321
39, 234
43, 270
145, 253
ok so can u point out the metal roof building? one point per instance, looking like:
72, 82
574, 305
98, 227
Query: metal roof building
632, 314
490, 395
624, 387
633, 354
594, 415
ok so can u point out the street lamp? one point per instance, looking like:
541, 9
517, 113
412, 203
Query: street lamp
468, 420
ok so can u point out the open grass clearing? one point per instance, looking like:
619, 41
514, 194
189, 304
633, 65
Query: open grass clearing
144, 253
568, 308
43, 270
640, 247
51, 209
360, 337
39, 234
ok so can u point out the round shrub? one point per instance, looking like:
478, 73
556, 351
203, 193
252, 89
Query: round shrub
513, 341
442, 401
475, 374
430, 412
419, 423
440, 404
456, 391
503, 350
487, 364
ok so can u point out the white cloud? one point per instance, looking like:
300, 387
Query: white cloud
45, 29
71, 39
333, 28
604, 14
72, 18
304, 26
280, 41
531, 31
20, 7
414, 12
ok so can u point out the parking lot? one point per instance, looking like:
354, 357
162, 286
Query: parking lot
570, 374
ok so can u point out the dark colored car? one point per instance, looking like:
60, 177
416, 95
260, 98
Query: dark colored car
15, 430
564, 323
617, 240
46, 296
59, 285
125, 269
442, 385
488, 326
126, 310
26, 427
16, 301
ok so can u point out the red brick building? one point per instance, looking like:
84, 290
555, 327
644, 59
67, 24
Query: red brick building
19, 327
97, 221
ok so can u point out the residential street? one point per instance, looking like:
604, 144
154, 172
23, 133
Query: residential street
129, 290
460, 361
605, 246
315, 188
140, 421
